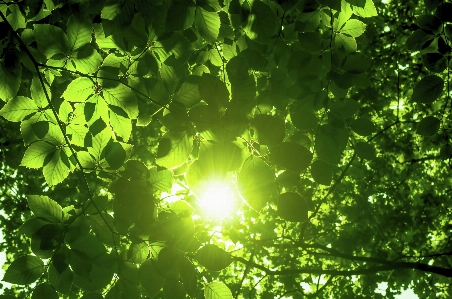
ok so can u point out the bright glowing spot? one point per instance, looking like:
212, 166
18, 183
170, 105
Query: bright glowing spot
217, 200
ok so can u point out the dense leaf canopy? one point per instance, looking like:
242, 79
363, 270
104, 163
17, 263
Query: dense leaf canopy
329, 119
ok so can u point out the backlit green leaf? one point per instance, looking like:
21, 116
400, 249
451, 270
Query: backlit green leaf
36, 154
46, 208
24, 270
217, 290
174, 148
79, 90
51, 40
354, 28
58, 168
208, 24
78, 33
18, 108
213, 258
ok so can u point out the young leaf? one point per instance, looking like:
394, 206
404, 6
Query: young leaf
428, 126
367, 11
78, 32
44, 290
353, 28
57, 169
256, 182
428, 89
292, 207
292, 156
46, 208
18, 108
79, 90
174, 149
217, 290
24, 270
213, 257
36, 154
208, 24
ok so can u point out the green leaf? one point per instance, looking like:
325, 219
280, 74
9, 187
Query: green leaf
188, 276
330, 142
428, 89
36, 154
346, 42
102, 225
51, 40
173, 289
213, 91
46, 208
270, 129
432, 4
10, 82
174, 149
85, 60
367, 11
418, 39
62, 282
18, 108
188, 94
92, 296
120, 123
292, 207
180, 16
79, 90
160, 180
363, 126
208, 24
57, 169
353, 28
149, 279
44, 291
256, 182
261, 25
292, 156
434, 62
123, 97
217, 290
365, 150
98, 203
78, 32
321, 172
428, 126
444, 12
138, 252
24, 270
213, 257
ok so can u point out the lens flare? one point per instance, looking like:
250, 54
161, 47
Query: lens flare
217, 200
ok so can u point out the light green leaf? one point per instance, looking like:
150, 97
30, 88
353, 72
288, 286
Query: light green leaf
44, 290
16, 19
428, 126
102, 225
36, 154
121, 125
123, 97
100, 141
217, 290
85, 60
346, 42
174, 149
367, 11
208, 24
57, 169
44, 207
213, 257
160, 180
79, 90
10, 82
353, 28
256, 182
37, 93
24, 270
78, 32
18, 108
51, 40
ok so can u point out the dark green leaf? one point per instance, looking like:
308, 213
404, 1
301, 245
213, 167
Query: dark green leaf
173, 289
321, 172
292, 156
188, 276
44, 291
365, 150
428, 126
213, 258
428, 89
213, 91
270, 129
149, 279
24, 270
363, 126
292, 207
434, 62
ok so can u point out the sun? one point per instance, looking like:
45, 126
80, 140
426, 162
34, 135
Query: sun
217, 199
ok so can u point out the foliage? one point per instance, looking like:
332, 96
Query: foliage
331, 117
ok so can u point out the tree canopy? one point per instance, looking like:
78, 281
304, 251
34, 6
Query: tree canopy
326, 121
